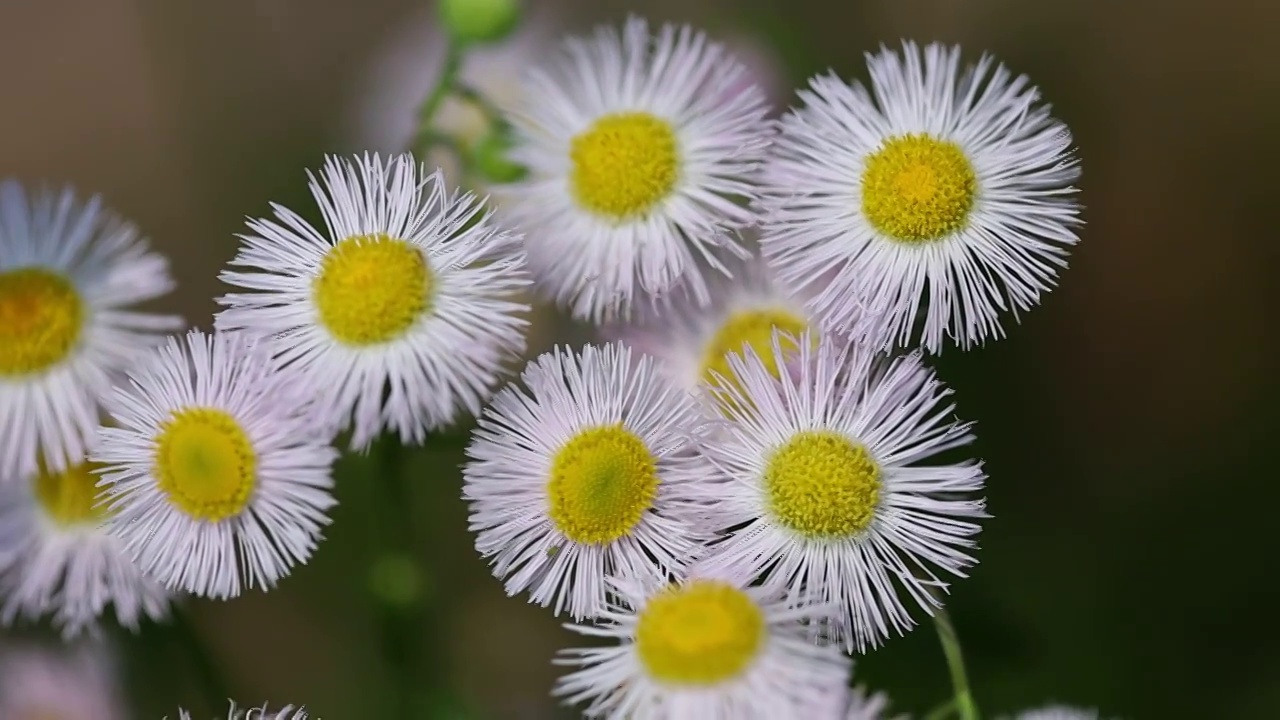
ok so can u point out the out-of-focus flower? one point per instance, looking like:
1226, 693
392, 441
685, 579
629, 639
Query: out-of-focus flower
79, 682
70, 276
57, 558
1058, 712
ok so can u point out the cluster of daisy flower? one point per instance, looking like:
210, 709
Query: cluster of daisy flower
750, 476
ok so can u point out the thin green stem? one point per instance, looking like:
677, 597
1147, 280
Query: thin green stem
964, 704
478, 99
396, 581
212, 683
444, 86
944, 710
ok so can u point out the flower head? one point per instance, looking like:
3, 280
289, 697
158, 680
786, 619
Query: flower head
401, 314
71, 273
638, 155
215, 473
937, 193
57, 558
585, 474
693, 342
829, 493
706, 648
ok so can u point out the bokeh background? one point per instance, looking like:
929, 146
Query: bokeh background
1130, 564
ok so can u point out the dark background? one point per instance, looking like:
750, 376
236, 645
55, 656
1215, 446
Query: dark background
1130, 562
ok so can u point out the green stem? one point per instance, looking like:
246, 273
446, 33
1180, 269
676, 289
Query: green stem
396, 581
212, 683
444, 86
478, 99
964, 703
942, 711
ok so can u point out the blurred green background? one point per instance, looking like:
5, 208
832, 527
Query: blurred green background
1130, 565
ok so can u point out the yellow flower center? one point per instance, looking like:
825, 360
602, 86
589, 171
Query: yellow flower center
752, 328
602, 482
624, 164
205, 463
41, 318
70, 497
918, 188
372, 288
821, 484
703, 633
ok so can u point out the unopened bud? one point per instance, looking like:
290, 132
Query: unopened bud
479, 21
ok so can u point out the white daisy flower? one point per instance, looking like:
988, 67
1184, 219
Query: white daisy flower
1058, 712
585, 474
68, 683
941, 194
403, 312
57, 558
708, 648
829, 487
216, 475
70, 274
288, 712
692, 342
638, 158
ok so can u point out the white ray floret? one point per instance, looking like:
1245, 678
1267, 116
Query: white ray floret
832, 488
941, 199
57, 559
641, 150
585, 474
216, 476
403, 312
260, 712
707, 648
71, 273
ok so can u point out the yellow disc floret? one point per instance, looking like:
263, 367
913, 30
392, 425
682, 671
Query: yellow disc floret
702, 633
624, 164
822, 484
206, 463
753, 328
41, 320
372, 288
918, 188
70, 497
602, 482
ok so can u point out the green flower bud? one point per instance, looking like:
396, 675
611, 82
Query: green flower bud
479, 21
